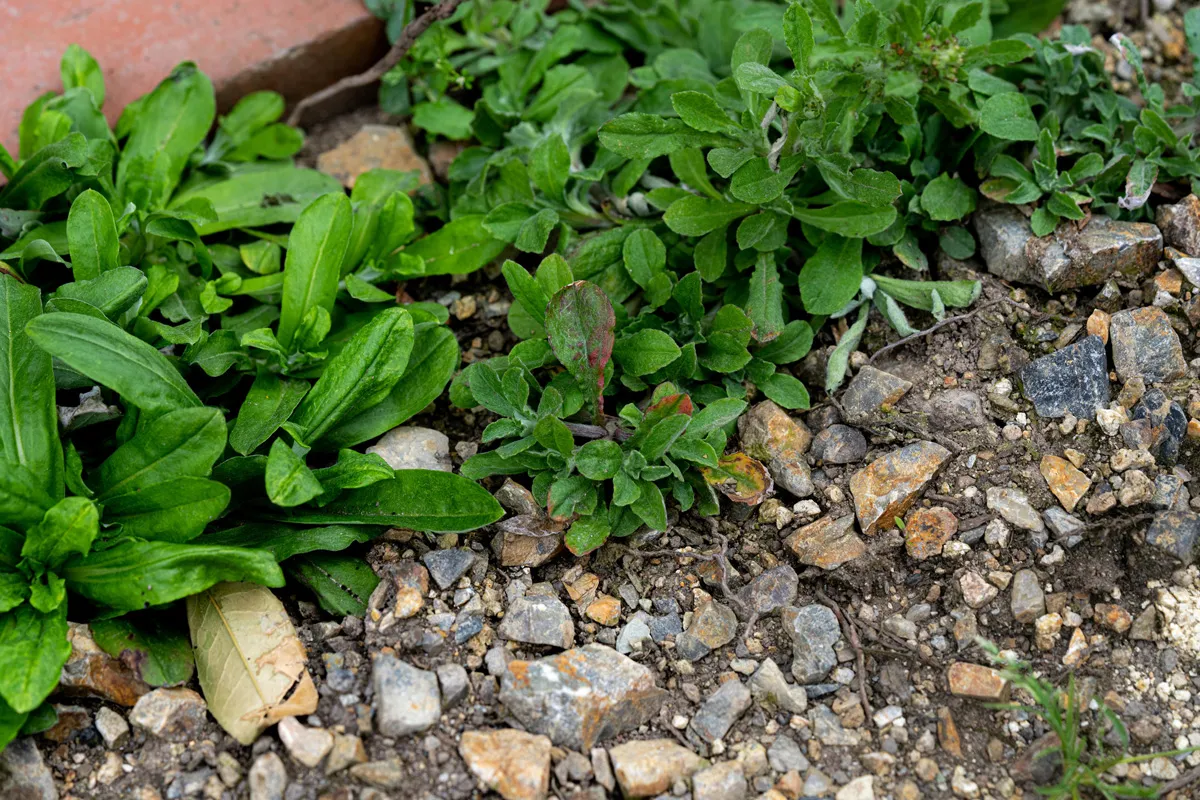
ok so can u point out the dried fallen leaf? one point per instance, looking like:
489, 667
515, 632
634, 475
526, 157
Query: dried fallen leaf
740, 478
250, 664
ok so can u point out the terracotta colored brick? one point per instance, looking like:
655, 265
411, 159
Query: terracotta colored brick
294, 47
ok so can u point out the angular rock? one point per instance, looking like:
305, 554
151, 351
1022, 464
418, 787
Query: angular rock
537, 619
839, 444
1175, 533
176, 715
454, 683
1145, 346
889, 485
412, 584
769, 434
1073, 380
722, 708
870, 391
1012, 504
713, 625
23, 773
771, 591
388, 774
113, 728
1028, 599
976, 592
91, 672
1069, 258
447, 566
410, 447
605, 610
829, 729
956, 410
927, 530
1062, 524
527, 541
827, 543
407, 699
306, 745
1068, 484
517, 499
512, 763
268, 778
724, 781
582, 696
814, 630
635, 634
347, 751
374, 147
785, 755
861, 788
1180, 224
768, 686
1166, 425
650, 767
976, 681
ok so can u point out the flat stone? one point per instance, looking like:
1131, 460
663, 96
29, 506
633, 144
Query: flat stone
113, 728
512, 763
389, 773
977, 682
771, 591
306, 745
889, 485
267, 777
91, 672
724, 781
839, 444
517, 499
784, 755
829, 729
976, 592
927, 530
1069, 258
23, 773
1145, 346
1067, 483
635, 634
769, 687
713, 625
407, 699
605, 610
1175, 533
814, 630
771, 435
347, 751
871, 391
1073, 380
1012, 504
527, 541
1062, 524
956, 410
582, 696
861, 788
1028, 599
412, 584
447, 566
374, 147
650, 767
827, 543
1165, 425
410, 447
176, 715
722, 708
537, 619
1180, 224
454, 683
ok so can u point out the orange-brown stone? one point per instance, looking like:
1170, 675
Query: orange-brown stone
514, 764
827, 543
1067, 483
927, 530
977, 681
889, 485
947, 733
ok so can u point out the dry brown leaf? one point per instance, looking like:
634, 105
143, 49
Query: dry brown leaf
250, 664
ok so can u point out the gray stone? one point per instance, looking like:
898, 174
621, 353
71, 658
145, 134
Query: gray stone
306, 745
652, 767
1180, 224
1145, 346
411, 447
268, 778
713, 625
771, 591
113, 728
517, 499
1165, 424
839, 444
827, 543
897, 625
1012, 504
871, 390
581, 696
23, 774
527, 540
407, 699
724, 781
537, 619
1170, 492
769, 687
1062, 524
176, 715
1073, 380
447, 566
955, 410
722, 708
828, 728
784, 755
1069, 258
771, 435
1175, 533
635, 634
1028, 600
454, 683
814, 630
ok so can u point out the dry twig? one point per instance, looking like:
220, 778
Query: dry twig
851, 633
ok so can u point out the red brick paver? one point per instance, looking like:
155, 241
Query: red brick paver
292, 46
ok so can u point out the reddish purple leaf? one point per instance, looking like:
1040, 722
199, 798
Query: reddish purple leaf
579, 324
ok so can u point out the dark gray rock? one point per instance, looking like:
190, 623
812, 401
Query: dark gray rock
1175, 533
771, 591
1074, 380
1167, 425
1145, 346
407, 699
447, 566
814, 630
23, 774
1170, 492
537, 619
839, 444
870, 391
581, 696
784, 755
1062, 524
720, 711
713, 625
1180, 224
1069, 258
955, 410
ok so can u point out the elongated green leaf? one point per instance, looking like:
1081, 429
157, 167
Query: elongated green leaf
284, 541
133, 575
11, 724
358, 377
28, 416
764, 306
108, 355
342, 584
316, 248
174, 511
112, 292
23, 501
849, 218
33, 649
68, 528
461, 246
645, 351
91, 235
580, 324
47, 173
178, 444
830, 278
160, 650
268, 404
423, 500
696, 216
289, 480
255, 195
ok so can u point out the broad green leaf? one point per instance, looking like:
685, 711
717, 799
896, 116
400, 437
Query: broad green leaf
173, 511
599, 460
790, 346
33, 649
285, 541
696, 216
316, 247
423, 500
256, 195
78, 68
849, 218
1008, 116
342, 584
645, 352
638, 135
947, 199
269, 403
11, 724
579, 325
588, 533
764, 305
113, 292
109, 356
132, 575
289, 480
759, 78
91, 236
68, 528
830, 278
786, 390
757, 183
700, 111
159, 650
23, 500
461, 246
798, 33
650, 506
182, 443
46, 174
28, 415
444, 117
715, 416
